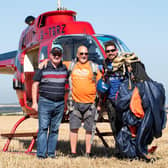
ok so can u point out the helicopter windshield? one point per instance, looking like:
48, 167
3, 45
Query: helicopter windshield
70, 44
120, 45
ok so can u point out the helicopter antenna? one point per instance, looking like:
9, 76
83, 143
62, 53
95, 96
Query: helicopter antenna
59, 7
59, 4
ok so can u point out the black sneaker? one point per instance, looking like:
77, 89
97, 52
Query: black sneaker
73, 155
52, 157
89, 155
41, 157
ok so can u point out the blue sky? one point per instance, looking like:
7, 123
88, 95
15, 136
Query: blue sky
142, 25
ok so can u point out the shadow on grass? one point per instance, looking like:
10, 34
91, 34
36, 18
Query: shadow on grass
63, 148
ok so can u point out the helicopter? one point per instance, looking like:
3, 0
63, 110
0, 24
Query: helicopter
42, 33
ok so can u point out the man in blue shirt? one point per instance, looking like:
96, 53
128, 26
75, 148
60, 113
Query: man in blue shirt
51, 83
114, 79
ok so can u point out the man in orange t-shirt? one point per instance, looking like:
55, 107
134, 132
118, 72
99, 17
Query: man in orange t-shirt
83, 96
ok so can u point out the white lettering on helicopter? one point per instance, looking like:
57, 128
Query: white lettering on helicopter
52, 31
44, 34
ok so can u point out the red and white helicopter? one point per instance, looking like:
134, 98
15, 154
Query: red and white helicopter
41, 34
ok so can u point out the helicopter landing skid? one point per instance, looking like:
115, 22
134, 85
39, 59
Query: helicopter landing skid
13, 134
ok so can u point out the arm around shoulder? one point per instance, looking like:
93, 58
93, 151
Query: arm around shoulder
43, 64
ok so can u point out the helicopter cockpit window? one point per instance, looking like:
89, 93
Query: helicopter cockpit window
70, 44
119, 44
43, 53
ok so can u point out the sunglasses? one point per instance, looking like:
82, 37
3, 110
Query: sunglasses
83, 53
57, 54
107, 51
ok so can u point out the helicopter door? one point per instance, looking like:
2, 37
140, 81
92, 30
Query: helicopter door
30, 65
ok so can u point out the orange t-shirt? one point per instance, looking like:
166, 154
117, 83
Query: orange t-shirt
83, 85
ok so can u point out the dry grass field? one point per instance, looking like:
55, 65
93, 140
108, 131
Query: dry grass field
104, 157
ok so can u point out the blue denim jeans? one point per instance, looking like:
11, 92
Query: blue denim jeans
50, 115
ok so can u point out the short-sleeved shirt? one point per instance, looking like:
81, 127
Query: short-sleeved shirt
52, 81
83, 85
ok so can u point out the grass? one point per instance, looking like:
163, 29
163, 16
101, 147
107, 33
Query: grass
104, 157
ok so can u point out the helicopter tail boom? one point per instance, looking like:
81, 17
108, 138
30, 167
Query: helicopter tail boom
7, 62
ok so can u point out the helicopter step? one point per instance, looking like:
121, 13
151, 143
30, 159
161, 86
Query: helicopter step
19, 134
